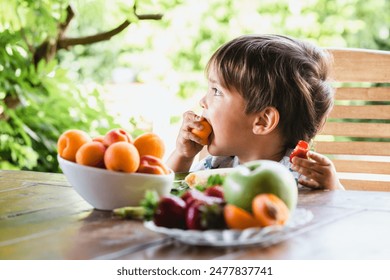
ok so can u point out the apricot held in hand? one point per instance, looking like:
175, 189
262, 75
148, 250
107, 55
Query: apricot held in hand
204, 133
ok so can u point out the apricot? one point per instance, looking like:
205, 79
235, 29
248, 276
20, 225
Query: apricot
150, 144
91, 154
238, 218
70, 141
122, 156
204, 133
99, 138
152, 165
269, 210
117, 135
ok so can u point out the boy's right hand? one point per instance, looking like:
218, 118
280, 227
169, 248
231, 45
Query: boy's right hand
188, 144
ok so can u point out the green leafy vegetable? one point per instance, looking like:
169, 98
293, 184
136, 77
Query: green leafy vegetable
149, 203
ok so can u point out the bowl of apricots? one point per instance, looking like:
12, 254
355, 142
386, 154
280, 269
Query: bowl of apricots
114, 170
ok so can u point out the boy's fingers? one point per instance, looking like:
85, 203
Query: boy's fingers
308, 172
191, 116
300, 164
191, 121
309, 183
187, 135
320, 159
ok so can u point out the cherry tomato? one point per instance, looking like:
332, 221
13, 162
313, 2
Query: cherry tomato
300, 150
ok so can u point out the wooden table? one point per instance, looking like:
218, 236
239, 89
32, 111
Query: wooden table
42, 217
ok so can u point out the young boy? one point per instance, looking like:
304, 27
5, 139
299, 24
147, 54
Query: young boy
265, 93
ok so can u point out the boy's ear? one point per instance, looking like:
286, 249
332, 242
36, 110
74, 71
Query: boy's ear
266, 121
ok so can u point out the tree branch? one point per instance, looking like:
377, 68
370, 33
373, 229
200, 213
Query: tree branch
69, 16
64, 43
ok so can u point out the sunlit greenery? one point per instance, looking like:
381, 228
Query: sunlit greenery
40, 98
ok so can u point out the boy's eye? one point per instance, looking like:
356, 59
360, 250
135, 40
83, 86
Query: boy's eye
216, 91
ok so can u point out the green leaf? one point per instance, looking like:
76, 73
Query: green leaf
149, 203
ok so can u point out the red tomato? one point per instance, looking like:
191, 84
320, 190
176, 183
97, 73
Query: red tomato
300, 150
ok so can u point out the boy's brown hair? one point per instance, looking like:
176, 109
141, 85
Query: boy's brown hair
282, 72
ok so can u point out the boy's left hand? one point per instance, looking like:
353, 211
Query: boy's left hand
318, 170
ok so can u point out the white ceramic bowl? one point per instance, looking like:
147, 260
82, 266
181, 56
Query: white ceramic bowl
107, 190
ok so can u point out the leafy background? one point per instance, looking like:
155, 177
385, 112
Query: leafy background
46, 90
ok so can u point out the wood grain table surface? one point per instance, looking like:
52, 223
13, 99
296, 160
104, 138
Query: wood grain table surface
42, 217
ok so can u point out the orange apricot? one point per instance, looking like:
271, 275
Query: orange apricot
117, 135
150, 144
269, 210
238, 218
99, 138
122, 156
70, 141
204, 133
152, 165
91, 154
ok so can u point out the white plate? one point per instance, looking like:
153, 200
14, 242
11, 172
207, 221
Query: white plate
230, 238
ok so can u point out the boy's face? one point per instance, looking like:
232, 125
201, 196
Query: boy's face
225, 111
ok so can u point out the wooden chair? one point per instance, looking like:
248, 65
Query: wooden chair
356, 135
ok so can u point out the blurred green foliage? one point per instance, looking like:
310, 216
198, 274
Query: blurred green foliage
38, 103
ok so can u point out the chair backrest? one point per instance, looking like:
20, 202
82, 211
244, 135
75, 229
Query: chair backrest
356, 135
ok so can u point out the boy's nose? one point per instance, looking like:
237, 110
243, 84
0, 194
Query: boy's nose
202, 102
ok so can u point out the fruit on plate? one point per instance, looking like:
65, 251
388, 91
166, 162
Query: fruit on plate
204, 133
270, 210
256, 177
193, 210
70, 141
238, 218
300, 150
91, 154
122, 156
152, 165
150, 144
215, 191
116, 135
202, 215
193, 195
170, 212
202, 178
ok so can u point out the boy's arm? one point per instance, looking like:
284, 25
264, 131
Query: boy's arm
179, 163
319, 171
188, 145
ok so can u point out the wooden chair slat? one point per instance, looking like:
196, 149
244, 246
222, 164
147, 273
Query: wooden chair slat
365, 94
353, 148
362, 166
376, 112
368, 130
357, 65
363, 185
